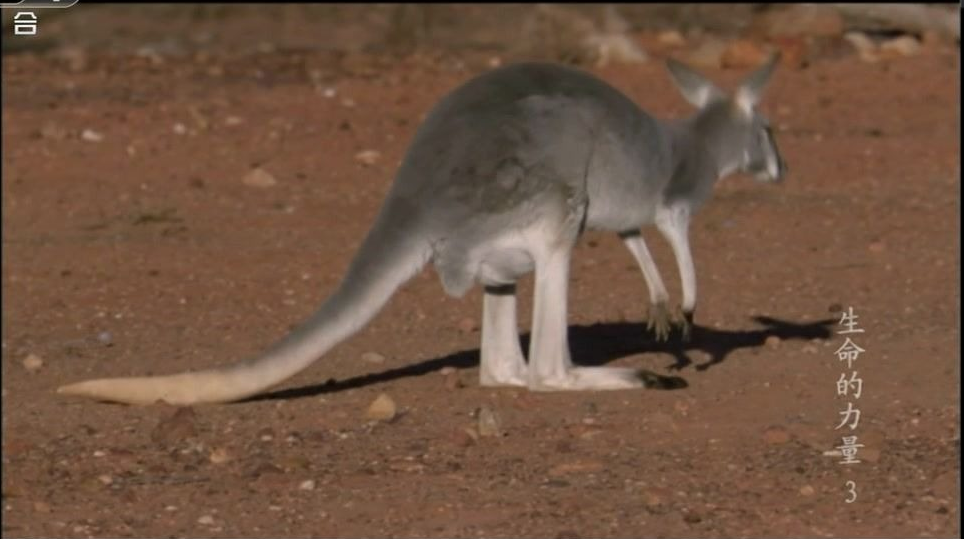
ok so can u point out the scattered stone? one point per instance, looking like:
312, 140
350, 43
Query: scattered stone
807, 490
105, 479
89, 135
901, 46
329, 92
464, 437
33, 363
772, 341
206, 520
877, 247
52, 131
233, 121
692, 517
382, 408
810, 349
453, 380
258, 177
179, 129
219, 456
490, 425
579, 466
175, 429
105, 338
41, 507
373, 358
307, 484
865, 47
494, 62
468, 325
743, 54
776, 435
709, 54
671, 38
368, 157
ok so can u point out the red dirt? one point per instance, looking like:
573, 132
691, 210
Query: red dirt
151, 237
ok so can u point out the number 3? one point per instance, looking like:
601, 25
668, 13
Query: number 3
852, 490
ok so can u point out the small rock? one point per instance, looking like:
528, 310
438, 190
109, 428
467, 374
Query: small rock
307, 484
382, 408
206, 520
105, 479
772, 341
810, 349
579, 466
490, 424
179, 129
368, 157
348, 103
33, 363
105, 338
468, 325
89, 135
453, 380
865, 47
494, 62
52, 131
41, 507
708, 54
877, 247
464, 437
671, 38
901, 46
329, 93
742, 54
233, 121
372, 357
692, 518
807, 490
258, 177
776, 436
219, 455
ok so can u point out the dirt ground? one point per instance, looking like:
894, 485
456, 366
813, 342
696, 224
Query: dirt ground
132, 245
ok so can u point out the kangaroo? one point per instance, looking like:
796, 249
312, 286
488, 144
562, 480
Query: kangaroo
500, 180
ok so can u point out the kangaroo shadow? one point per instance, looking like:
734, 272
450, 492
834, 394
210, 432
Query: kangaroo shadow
595, 345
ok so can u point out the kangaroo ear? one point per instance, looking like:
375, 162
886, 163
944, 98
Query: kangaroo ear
751, 90
696, 88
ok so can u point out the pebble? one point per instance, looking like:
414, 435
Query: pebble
807, 490
53, 131
219, 456
468, 325
206, 520
579, 466
89, 135
33, 363
105, 337
307, 484
776, 436
742, 54
772, 341
464, 437
810, 349
453, 380
373, 357
105, 479
232, 121
258, 177
179, 129
708, 54
382, 408
368, 157
490, 425
671, 38
902, 46
877, 247
41, 507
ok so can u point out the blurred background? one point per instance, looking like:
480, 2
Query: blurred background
712, 35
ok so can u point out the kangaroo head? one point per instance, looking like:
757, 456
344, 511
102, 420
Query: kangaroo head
735, 132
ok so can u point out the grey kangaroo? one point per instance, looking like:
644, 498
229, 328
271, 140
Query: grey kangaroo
501, 179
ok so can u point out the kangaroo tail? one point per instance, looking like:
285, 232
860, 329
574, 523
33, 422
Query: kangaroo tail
389, 256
